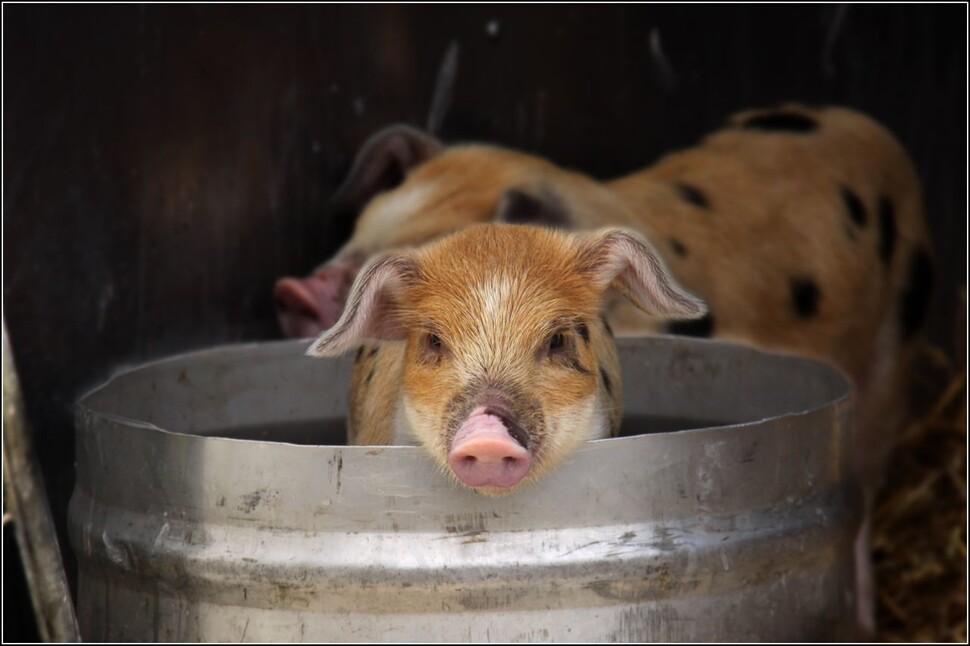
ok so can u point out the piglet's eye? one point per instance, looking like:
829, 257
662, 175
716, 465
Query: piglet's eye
557, 342
432, 348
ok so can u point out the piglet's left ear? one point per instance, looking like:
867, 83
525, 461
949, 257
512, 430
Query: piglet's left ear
623, 259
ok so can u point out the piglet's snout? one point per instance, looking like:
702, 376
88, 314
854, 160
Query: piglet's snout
307, 306
484, 453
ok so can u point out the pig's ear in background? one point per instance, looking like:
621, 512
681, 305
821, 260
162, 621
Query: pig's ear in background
371, 311
623, 259
540, 207
383, 162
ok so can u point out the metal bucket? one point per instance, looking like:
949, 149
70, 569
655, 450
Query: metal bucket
739, 529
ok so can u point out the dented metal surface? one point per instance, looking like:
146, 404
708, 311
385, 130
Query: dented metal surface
737, 532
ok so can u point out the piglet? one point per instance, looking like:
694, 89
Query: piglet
488, 347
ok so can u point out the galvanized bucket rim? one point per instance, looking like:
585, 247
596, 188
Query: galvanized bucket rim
82, 406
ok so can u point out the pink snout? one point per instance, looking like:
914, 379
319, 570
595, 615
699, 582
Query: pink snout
307, 306
484, 454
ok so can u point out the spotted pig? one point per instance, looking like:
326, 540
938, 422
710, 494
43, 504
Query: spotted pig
801, 228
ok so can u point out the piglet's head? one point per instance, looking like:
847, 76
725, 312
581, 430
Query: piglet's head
507, 365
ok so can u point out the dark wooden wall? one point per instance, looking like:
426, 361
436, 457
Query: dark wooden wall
163, 165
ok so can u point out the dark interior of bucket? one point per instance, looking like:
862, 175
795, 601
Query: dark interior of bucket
333, 431
274, 393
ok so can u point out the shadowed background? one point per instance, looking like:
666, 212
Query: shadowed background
164, 165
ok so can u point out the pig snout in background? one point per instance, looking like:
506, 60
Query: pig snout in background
488, 347
305, 307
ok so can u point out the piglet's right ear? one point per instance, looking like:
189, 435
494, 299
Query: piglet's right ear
382, 163
372, 307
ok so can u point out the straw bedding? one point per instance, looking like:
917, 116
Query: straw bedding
920, 522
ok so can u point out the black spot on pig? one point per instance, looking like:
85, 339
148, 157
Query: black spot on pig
916, 294
543, 208
887, 230
701, 328
804, 296
854, 206
781, 121
678, 247
691, 194
607, 384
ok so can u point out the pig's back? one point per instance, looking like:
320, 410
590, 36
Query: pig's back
803, 229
